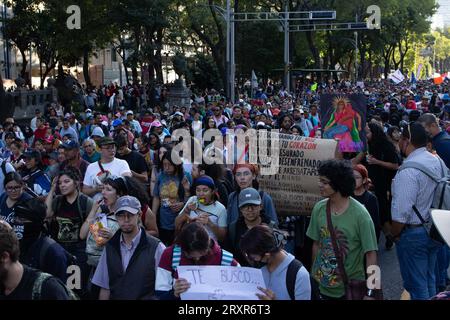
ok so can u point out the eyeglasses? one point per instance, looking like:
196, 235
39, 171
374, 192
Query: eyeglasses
324, 182
109, 147
125, 216
250, 208
15, 188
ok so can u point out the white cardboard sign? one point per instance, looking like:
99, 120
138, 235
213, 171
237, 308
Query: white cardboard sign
221, 282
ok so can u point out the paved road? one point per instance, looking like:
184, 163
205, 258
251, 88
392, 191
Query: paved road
391, 280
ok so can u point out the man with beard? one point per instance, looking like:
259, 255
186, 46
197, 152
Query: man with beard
130, 257
73, 158
18, 281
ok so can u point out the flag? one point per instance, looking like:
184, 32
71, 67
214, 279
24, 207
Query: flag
437, 78
314, 87
397, 77
413, 78
254, 80
419, 70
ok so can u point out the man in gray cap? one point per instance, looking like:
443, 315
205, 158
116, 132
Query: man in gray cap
127, 267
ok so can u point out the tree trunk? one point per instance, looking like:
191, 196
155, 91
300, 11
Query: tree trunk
134, 74
157, 64
313, 49
87, 76
23, 71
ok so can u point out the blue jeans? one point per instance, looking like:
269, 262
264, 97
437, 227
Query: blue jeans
443, 261
417, 256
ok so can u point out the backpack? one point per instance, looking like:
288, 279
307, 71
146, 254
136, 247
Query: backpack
3, 166
441, 197
47, 243
41, 278
291, 276
227, 257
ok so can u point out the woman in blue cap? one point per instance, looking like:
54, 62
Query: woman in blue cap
205, 208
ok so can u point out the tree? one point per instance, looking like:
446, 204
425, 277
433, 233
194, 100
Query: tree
18, 29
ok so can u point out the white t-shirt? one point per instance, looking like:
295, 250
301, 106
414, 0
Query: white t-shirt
217, 211
94, 175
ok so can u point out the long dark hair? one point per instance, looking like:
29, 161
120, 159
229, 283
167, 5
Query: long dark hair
179, 171
129, 186
379, 143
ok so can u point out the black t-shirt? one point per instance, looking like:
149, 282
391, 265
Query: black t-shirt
52, 289
370, 201
136, 161
69, 220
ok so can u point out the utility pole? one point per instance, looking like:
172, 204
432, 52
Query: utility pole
356, 52
287, 74
228, 66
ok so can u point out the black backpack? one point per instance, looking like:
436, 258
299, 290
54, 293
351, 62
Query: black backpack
291, 276
47, 242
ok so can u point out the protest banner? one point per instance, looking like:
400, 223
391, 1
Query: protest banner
343, 118
294, 188
221, 282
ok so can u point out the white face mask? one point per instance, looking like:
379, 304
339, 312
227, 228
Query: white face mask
135, 146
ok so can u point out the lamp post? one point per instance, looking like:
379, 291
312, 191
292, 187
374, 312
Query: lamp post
167, 66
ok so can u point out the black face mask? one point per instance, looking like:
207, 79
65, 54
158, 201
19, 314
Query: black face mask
258, 264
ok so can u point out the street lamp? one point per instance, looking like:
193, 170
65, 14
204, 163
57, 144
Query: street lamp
167, 66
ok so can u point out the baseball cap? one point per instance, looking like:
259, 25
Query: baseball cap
117, 122
178, 113
205, 181
249, 196
128, 203
130, 112
106, 141
156, 123
88, 111
71, 144
37, 111
98, 132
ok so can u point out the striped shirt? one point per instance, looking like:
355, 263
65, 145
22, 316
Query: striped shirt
413, 187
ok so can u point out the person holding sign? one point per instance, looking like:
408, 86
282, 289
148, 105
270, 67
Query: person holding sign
193, 246
285, 277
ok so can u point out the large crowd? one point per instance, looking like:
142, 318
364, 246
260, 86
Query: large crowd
102, 190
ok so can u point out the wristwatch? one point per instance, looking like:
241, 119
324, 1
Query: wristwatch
370, 293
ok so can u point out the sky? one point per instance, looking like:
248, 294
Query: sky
442, 16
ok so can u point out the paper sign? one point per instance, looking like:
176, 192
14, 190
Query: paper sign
221, 282
294, 189
441, 219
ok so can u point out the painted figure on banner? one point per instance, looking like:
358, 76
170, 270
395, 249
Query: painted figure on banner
345, 125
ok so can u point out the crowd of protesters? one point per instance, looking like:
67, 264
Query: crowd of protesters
101, 189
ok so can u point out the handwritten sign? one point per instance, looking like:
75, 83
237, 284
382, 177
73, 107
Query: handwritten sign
294, 189
221, 282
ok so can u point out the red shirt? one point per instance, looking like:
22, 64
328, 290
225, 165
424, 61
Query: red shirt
411, 105
39, 134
